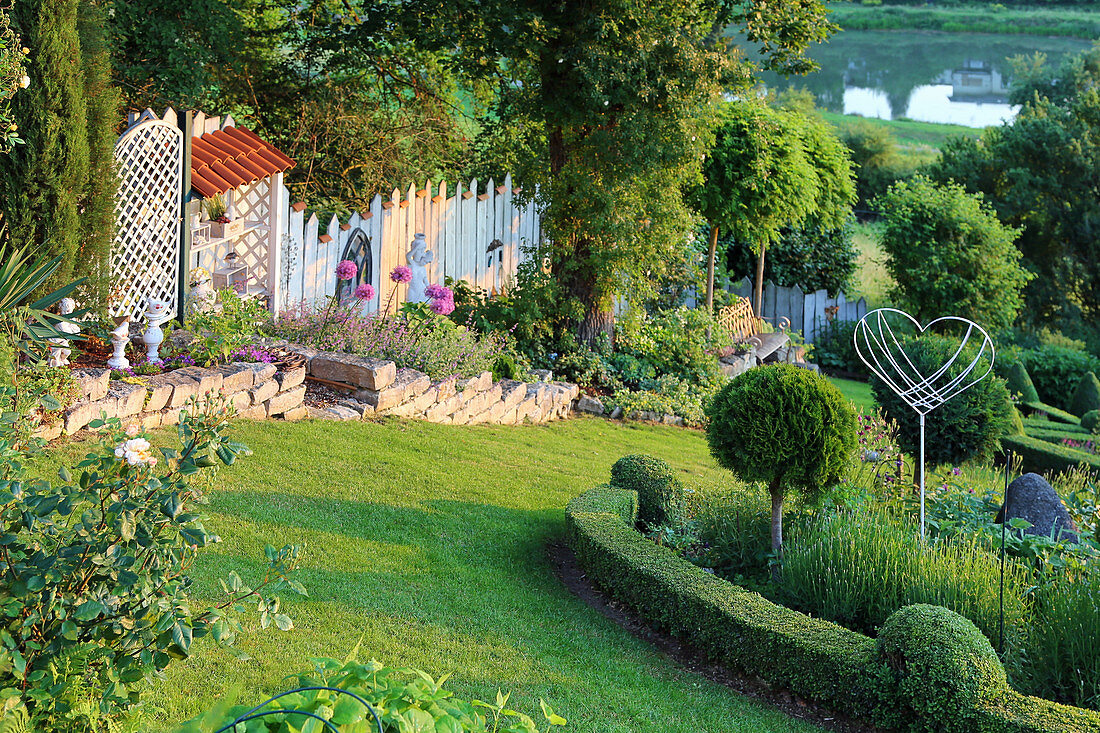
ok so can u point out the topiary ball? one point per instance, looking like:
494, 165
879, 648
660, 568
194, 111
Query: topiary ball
782, 422
1019, 383
967, 427
1091, 421
941, 664
661, 495
1086, 397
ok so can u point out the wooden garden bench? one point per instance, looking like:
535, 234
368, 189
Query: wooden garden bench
744, 326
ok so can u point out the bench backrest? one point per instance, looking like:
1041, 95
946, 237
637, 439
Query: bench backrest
739, 320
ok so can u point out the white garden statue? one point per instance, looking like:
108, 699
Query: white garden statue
156, 313
418, 258
120, 336
59, 354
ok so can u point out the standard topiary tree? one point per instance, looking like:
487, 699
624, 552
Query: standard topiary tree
785, 426
1019, 383
660, 493
1086, 397
967, 427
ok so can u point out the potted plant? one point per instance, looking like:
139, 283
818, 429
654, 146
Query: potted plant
221, 226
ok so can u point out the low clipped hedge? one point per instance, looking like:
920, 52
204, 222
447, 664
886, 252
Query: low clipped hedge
1031, 423
1041, 456
1053, 412
1055, 436
917, 677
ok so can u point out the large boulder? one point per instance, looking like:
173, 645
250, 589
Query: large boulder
1031, 498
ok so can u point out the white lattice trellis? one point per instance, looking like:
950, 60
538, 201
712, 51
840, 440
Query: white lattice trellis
145, 256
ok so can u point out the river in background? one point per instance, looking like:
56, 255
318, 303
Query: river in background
957, 78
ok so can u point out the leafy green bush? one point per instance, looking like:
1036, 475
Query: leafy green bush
785, 426
734, 530
95, 593
877, 160
813, 257
966, 428
660, 493
230, 326
947, 248
834, 347
859, 569
1086, 397
1056, 371
1019, 383
1090, 421
403, 699
668, 343
944, 668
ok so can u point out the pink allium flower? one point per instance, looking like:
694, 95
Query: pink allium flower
401, 274
434, 291
442, 306
346, 270
365, 292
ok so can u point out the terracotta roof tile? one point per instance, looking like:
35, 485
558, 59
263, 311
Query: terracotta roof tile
226, 159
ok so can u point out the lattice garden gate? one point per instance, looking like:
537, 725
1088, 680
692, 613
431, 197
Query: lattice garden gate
145, 258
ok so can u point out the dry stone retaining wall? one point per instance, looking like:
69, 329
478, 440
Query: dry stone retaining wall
378, 387
258, 391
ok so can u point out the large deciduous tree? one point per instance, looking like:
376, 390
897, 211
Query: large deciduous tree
613, 101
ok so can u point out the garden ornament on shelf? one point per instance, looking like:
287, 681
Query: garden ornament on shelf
878, 346
120, 336
418, 258
202, 294
156, 314
59, 354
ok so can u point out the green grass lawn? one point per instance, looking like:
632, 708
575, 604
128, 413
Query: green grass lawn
871, 280
858, 392
919, 141
428, 542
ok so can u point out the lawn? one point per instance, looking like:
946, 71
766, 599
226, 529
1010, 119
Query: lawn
921, 141
858, 392
428, 543
871, 280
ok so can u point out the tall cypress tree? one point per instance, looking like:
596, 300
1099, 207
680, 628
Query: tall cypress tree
42, 182
97, 206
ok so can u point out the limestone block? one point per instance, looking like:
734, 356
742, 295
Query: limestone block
152, 420
446, 389
209, 381
50, 432
284, 401
296, 413
616, 412
82, 412
407, 382
668, 419
444, 408
513, 392
171, 416
542, 375
307, 351
358, 371
362, 408
460, 418
93, 383
407, 409
339, 412
425, 400
236, 377
525, 408
240, 401
130, 397
256, 412
496, 411
264, 391
590, 404
290, 378
510, 416
262, 372
160, 389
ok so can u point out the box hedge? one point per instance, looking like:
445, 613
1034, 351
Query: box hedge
1041, 456
1041, 408
1056, 436
1087, 395
917, 677
660, 493
1044, 424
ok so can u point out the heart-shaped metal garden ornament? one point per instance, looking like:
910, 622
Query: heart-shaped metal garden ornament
879, 347
877, 343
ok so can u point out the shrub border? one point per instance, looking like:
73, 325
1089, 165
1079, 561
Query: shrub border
811, 657
1040, 456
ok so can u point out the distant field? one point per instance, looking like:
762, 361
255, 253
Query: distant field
1070, 21
915, 139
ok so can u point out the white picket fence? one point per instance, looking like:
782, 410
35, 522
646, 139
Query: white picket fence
476, 234
807, 312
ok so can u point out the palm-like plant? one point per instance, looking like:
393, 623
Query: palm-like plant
27, 324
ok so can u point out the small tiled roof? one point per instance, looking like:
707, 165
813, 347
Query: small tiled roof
232, 157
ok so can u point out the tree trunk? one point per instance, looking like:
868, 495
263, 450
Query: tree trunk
776, 491
758, 307
710, 267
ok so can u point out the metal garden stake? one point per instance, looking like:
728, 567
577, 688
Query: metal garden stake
878, 346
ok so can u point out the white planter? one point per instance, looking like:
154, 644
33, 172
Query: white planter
219, 230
